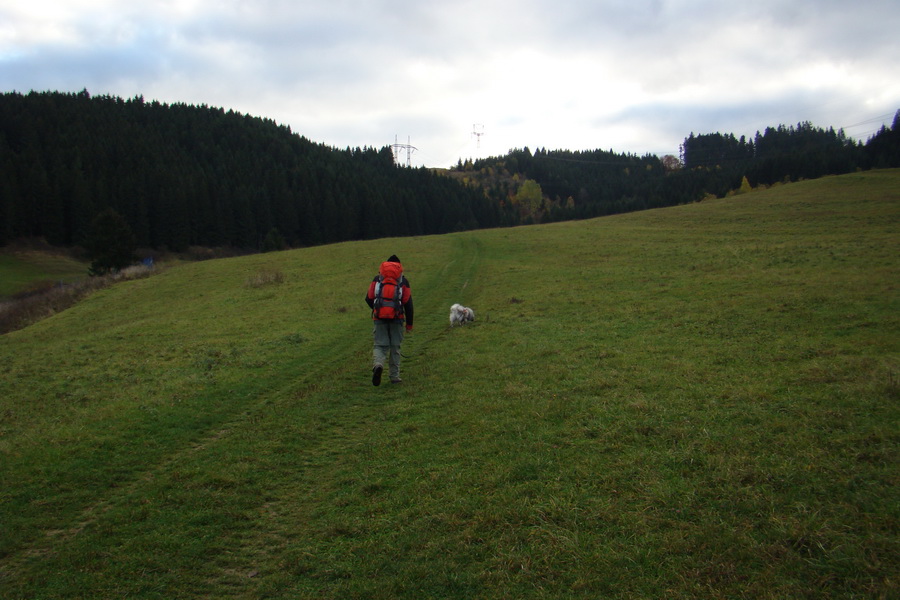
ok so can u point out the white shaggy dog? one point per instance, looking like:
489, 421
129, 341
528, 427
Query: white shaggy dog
459, 315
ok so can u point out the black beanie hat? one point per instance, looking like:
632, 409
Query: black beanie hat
393, 258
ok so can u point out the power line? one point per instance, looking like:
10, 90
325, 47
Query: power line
878, 119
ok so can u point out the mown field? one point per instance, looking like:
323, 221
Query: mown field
694, 402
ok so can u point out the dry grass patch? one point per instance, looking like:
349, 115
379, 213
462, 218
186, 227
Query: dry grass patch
265, 277
47, 298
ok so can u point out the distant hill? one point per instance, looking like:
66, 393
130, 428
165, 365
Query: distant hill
184, 175
195, 175
584, 184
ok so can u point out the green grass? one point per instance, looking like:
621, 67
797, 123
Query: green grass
22, 269
695, 402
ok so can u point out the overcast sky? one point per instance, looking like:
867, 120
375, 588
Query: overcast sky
634, 76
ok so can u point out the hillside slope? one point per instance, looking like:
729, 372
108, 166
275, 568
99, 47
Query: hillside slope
698, 401
183, 175
23, 268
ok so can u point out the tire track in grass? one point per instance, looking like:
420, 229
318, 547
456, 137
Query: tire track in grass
456, 281
335, 361
50, 542
357, 418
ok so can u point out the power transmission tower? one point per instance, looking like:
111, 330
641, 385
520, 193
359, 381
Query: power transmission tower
398, 147
478, 131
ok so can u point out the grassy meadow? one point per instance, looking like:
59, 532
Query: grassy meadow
693, 402
23, 269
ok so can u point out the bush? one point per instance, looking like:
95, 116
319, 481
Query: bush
274, 241
265, 277
111, 244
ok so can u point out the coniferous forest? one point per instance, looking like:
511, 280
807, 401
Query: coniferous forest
183, 175
197, 176
578, 185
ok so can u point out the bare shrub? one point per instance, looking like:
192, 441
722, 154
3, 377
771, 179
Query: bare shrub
133, 272
22, 311
265, 277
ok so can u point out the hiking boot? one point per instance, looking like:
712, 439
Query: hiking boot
396, 380
376, 374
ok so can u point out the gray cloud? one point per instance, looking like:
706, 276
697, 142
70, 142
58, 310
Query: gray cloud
629, 75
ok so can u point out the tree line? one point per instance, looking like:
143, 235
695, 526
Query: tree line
182, 175
577, 185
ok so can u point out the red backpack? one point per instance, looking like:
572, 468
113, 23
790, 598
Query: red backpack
389, 292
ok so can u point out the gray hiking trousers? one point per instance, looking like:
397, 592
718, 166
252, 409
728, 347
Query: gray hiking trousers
388, 337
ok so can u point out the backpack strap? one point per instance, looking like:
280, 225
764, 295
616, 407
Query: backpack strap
394, 303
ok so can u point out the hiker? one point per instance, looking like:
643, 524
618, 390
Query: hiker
391, 302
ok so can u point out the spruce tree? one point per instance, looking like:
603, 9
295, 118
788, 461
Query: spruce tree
274, 241
111, 243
